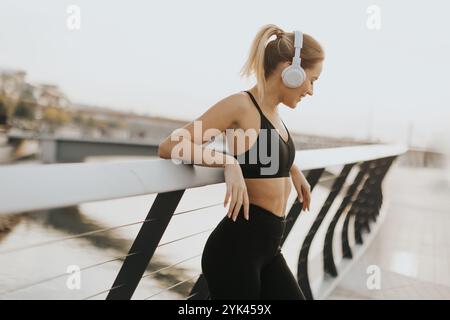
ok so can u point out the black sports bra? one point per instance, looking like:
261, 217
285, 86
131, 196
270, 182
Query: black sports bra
259, 161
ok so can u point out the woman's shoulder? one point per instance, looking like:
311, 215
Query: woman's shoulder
238, 102
243, 102
242, 108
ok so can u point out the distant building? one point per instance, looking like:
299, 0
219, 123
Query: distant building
50, 95
11, 83
130, 125
14, 88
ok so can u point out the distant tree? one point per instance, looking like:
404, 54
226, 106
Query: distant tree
3, 114
24, 110
55, 116
27, 95
90, 122
113, 124
78, 119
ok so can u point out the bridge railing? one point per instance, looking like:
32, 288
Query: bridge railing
336, 230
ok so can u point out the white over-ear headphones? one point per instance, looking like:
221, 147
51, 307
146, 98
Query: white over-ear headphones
293, 75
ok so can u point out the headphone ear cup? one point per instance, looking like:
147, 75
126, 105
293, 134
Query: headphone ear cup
293, 76
302, 77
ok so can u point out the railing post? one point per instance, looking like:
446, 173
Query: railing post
361, 204
355, 206
373, 197
328, 260
294, 212
378, 195
302, 270
144, 245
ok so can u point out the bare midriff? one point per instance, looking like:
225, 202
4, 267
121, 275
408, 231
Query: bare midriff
269, 193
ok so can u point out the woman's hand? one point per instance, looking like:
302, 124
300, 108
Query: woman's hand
303, 188
236, 189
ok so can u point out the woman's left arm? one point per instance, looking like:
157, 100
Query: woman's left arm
302, 186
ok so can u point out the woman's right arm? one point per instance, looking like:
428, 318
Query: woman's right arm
186, 144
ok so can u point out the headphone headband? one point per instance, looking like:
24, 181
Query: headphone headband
298, 44
298, 39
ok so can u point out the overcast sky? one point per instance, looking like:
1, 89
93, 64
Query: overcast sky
177, 58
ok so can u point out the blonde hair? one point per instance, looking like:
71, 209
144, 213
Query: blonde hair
264, 57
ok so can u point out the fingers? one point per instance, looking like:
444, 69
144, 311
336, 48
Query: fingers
238, 205
239, 198
246, 205
309, 200
303, 202
233, 202
307, 197
227, 196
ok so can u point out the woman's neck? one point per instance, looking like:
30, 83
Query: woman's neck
270, 100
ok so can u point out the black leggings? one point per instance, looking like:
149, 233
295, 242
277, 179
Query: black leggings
243, 259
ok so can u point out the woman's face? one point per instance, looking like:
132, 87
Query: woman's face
292, 96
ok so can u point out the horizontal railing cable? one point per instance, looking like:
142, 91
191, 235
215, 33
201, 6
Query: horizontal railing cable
89, 233
144, 276
103, 291
185, 237
196, 209
170, 266
192, 295
173, 286
30, 285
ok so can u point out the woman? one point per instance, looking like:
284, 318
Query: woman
242, 257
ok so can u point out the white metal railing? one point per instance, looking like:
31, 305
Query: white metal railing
45, 186
26, 188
